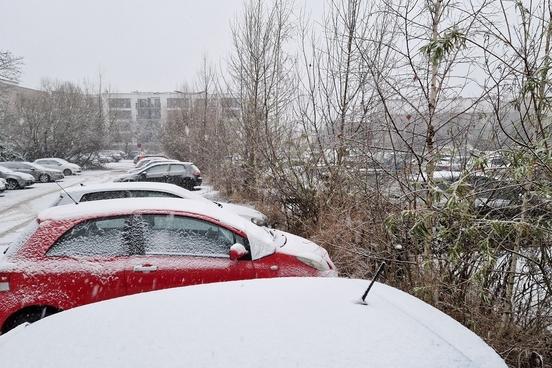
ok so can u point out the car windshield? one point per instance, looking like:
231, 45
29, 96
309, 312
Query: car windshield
36, 166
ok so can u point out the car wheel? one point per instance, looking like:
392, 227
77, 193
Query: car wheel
44, 178
67, 172
29, 315
12, 184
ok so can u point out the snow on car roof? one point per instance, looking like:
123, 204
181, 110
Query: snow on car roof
51, 158
260, 240
164, 187
165, 162
129, 205
285, 322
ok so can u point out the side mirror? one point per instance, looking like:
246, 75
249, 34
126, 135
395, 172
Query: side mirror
237, 251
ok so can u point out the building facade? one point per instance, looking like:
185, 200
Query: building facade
138, 118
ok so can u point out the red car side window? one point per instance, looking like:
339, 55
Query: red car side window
178, 235
93, 238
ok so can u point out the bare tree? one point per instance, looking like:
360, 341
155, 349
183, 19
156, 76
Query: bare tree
260, 80
62, 121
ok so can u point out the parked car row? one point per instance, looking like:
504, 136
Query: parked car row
142, 155
163, 170
22, 174
40, 173
16, 180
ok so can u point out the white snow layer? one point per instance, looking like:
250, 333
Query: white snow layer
293, 322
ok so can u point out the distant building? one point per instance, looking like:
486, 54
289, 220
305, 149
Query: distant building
10, 93
139, 117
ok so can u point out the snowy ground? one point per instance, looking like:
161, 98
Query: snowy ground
20, 207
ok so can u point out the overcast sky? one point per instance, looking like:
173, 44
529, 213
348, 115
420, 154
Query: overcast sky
136, 44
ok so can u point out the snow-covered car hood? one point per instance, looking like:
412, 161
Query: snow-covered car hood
247, 324
25, 176
300, 247
127, 176
246, 212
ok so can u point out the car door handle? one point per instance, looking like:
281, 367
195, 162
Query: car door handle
144, 268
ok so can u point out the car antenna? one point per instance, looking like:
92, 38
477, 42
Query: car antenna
68, 195
376, 276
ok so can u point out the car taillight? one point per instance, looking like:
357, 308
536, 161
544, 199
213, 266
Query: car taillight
4, 283
197, 173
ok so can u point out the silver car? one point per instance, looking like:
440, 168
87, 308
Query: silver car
67, 168
16, 180
40, 173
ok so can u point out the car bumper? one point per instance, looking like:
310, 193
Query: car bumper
198, 181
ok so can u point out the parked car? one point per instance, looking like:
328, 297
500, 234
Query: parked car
40, 173
184, 174
16, 180
104, 158
75, 255
115, 156
142, 156
146, 161
286, 322
3, 185
149, 163
140, 190
59, 164
132, 155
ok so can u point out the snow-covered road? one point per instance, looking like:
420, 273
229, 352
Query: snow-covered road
20, 207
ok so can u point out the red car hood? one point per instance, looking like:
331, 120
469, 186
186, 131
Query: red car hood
300, 247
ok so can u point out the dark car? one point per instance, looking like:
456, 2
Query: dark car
40, 173
184, 174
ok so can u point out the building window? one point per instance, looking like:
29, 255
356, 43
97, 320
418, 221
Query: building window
121, 114
178, 103
148, 108
119, 103
148, 103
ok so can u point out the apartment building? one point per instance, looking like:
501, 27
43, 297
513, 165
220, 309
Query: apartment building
139, 117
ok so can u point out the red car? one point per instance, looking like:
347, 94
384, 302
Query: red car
80, 254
